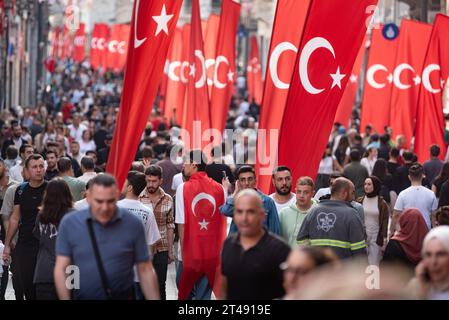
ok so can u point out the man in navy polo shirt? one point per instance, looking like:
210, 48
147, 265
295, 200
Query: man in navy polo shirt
120, 237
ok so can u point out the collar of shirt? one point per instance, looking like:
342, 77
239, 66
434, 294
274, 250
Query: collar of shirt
160, 193
117, 216
236, 239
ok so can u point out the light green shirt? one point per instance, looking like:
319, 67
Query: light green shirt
291, 219
77, 188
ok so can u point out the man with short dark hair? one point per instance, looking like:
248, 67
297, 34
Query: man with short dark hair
120, 238
198, 219
169, 170
442, 216
52, 165
15, 173
161, 203
246, 179
27, 200
400, 177
77, 187
16, 139
134, 185
416, 196
217, 169
334, 223
326, 192
432, 167
393, 161
75, 151
282, 181
88, 169
356, 172
252, 256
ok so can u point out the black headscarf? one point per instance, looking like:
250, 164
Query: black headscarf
376, 187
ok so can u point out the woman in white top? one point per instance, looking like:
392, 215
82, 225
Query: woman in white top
328, 165
369, 161
432, 273
376, 219
87, 143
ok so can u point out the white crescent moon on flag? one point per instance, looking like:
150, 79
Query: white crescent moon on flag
370, 75
203, 196
274, 60
121, 47
218, 61
112, 45
171, 70
209, 63
202, 80
426, 77
397, 76
309, 49
93, 43
137, 42
101, 43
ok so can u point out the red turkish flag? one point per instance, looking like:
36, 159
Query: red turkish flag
254, 73
79, 50
224, 74
430, 122
210, 47
175, 88
153, 25
325, 61
411, 52
378, 83
118, 42
204, 233
181, 114
55, 42
99, 46
285, 41
197, 96
2, 16
346, 105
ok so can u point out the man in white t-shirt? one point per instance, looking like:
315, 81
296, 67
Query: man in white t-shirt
282, 181
417, 196
133, 187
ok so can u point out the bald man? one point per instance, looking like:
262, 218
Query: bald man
251, 257
334, 223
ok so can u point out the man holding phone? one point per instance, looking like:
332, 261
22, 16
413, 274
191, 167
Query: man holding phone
246, 179
217, 170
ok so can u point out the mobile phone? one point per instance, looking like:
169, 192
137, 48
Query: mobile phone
427, 275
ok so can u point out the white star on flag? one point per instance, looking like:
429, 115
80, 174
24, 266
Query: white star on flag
337, 77
230, 76
192, 70
390, 78
417, 80
162, 21
203, 224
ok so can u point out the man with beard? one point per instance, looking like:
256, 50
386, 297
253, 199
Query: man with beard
161, 203
282, 181
52, 169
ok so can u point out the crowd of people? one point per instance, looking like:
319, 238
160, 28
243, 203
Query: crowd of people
371, 204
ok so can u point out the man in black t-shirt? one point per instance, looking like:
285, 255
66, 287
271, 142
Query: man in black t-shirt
251, 258
27, 200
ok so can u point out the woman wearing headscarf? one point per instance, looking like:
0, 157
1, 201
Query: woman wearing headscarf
405, 246
432, 273
376, 219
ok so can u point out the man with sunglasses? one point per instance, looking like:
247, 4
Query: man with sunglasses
246, 179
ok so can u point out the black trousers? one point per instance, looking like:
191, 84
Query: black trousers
46, 291
160, 263
4, 282
26, 256
16, 280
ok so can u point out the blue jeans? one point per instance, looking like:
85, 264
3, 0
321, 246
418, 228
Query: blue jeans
201, 289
